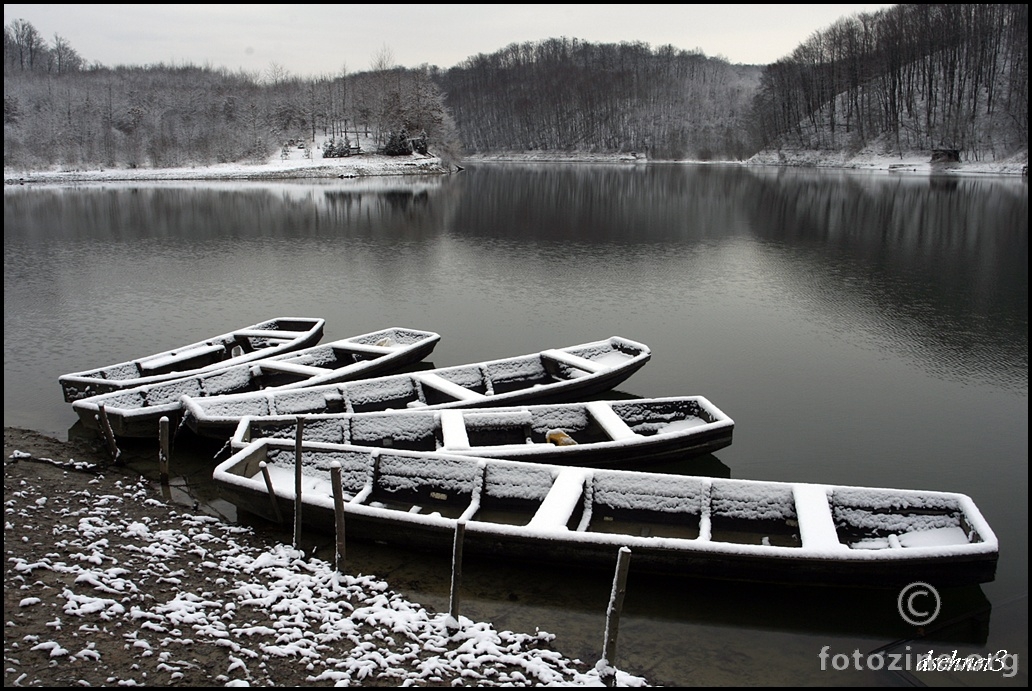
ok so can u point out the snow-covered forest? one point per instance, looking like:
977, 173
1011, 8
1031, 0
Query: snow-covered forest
922, 76
68, 112
911, 77
565, 94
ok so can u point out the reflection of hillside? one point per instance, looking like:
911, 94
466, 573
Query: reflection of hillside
589, 203
919, 267
910, 263
131, 213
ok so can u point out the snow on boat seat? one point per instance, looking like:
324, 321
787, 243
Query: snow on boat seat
453, 430
581, 363
607, 418
452, 389
561, 500
286, 368
816, 526
155, 364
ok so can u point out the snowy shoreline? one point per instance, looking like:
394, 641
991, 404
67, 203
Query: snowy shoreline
374, 165
357, 166
913, 162
905, 162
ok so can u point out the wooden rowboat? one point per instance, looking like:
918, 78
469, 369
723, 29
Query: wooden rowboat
262, 340
690, 526
555, 375
136, 412
595, 433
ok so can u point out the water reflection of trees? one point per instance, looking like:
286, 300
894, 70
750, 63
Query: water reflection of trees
128, 213
936, 267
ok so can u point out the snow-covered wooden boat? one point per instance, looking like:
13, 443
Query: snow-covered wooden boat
684, 525
136, 412
262, 340
553, 375
595, 433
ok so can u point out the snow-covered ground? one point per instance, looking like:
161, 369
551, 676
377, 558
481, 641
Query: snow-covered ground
360, 165
135, 592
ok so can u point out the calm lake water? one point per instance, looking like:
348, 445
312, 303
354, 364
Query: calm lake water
860, 328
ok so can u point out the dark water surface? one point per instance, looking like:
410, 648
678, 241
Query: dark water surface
860, 328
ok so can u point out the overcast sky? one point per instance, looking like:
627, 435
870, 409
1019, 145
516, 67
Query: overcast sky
309, 40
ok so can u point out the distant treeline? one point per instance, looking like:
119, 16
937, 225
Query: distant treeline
908, 77
174, 115
564, 94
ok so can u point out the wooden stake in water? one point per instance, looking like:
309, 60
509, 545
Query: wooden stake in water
272, 492
297, 482
163, 450
456, 576
109, 435
338, 513
616, 598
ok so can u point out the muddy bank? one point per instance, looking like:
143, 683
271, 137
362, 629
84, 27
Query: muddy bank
107, 582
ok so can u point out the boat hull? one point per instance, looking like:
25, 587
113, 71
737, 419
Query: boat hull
594, 434
593, 527
251, 343
136, 412
530, 379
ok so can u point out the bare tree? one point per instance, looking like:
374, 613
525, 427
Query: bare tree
28, 43
66, 59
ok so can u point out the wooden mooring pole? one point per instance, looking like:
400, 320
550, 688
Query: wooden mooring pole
456, 577
297, 482
163, 451
272, 492
616, 598
109, 435
338, 514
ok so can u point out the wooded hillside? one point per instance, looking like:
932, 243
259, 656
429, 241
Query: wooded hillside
76, 114
928, 76
911, 78
569, 95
